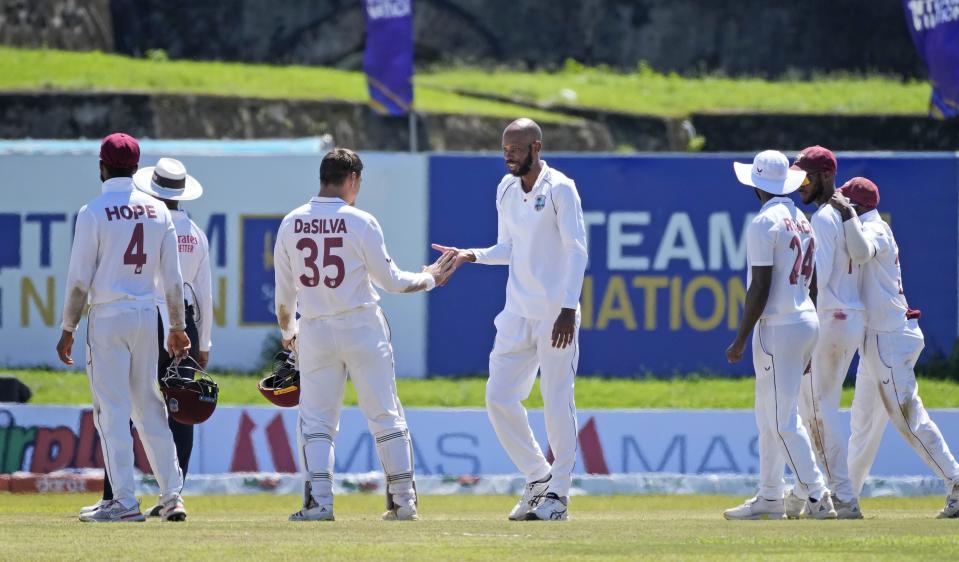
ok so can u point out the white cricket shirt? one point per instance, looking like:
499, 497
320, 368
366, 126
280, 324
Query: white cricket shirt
836, 275
123, 240
194, 254
327, 257
781, 236
882, 291
542, 237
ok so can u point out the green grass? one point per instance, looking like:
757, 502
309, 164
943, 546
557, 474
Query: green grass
50, 70
70, 387
474, 528
648, 92
643, 91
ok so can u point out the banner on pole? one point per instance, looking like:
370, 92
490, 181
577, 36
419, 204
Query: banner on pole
388, 57
934, 27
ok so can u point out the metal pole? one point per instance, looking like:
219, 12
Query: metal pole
413, 136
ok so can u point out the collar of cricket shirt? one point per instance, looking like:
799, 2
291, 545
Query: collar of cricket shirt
872, 215
777, 200
318, 199
117, 184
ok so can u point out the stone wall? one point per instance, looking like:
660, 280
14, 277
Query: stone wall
76, 25
71, 116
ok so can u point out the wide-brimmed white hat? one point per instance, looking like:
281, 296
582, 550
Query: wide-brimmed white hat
770, 172
168, 180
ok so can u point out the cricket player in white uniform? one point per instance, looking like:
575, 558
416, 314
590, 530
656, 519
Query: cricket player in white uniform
780, 253
169, 182
327, 258
842, 326
124, 239
886, 386
542, 238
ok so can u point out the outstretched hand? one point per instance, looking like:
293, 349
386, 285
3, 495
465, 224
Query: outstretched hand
442, 268
459, 258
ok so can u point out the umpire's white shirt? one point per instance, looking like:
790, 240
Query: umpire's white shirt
327, 257
193, 250
542, 237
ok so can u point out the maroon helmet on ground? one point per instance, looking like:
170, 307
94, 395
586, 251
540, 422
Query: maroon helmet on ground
282, 386
189, 392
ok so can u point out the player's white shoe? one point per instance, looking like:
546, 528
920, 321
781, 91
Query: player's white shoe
793, 505
155, 510
171, 509
402, 512
757, 508
951, 509
114, 512
315, 513
847, 510
550, 508
822, 509
94, 507
532, 495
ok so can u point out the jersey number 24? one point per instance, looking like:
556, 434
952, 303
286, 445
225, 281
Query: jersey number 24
804, 263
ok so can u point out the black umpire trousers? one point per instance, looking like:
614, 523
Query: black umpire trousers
182, 432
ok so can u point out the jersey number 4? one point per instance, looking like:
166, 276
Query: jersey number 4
134, 254
329, 259
804, 264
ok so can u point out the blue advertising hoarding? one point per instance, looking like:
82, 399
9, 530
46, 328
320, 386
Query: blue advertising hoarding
666, 280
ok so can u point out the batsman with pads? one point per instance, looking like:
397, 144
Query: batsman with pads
328, 256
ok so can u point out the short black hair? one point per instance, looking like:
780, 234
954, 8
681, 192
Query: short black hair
119, 172
338, 164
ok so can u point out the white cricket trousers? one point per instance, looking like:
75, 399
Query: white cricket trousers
886, 389
122, 368
840, 335
522, 347
354, 344
780, 356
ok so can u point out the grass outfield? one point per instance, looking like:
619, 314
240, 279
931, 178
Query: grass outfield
643, 91
70, 387
475, 528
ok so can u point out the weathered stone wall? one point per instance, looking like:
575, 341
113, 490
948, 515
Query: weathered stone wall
71, 116
76, 25
755, 37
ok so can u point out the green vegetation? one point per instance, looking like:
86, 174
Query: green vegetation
643, 91
474, 528
48, 70
59, 387
648, 92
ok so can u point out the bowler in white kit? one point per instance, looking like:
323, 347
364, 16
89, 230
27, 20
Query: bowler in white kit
842, 326
327, 258
886, 387
125, 240
780, 254
542, 238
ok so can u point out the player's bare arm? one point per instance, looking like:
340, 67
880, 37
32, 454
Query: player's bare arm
441, 270
756, 297
178, 343
65, 347
843, 205
564, 328
460, 257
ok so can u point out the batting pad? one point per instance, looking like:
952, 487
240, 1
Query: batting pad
393, 447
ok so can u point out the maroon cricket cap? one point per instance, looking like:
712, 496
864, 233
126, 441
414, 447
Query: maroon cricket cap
814, 159
120, 150
862, 192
